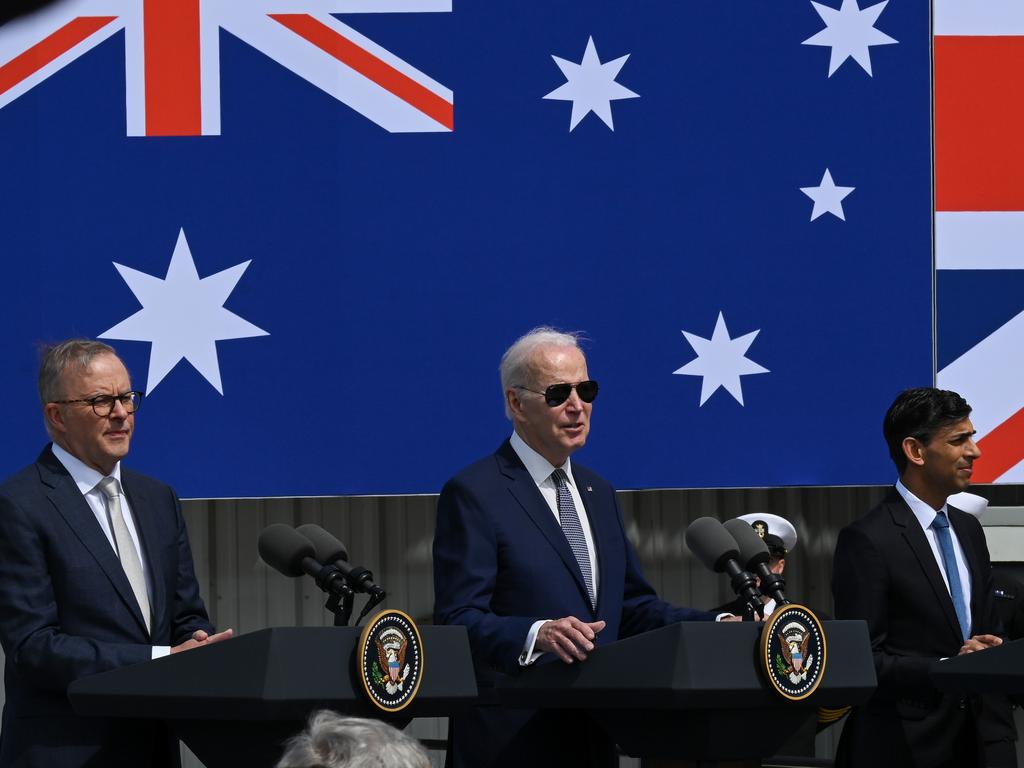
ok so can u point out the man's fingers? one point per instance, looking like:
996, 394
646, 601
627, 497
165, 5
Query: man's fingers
988, 640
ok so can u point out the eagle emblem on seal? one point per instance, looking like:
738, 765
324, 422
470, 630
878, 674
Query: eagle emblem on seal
391, 647
795, 662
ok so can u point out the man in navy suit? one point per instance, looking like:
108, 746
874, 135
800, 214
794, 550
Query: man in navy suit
917, 570
95, 572
531, 556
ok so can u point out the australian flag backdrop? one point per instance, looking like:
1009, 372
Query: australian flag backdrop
311, 227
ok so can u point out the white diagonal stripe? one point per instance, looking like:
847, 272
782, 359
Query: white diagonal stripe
987, 377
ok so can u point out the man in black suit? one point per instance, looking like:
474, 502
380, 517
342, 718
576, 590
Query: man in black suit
918, 571
95, 572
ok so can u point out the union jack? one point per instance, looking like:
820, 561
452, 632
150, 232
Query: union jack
172, 66
979, 216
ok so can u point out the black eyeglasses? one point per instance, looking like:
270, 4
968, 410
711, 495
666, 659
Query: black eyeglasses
103, 405
557, 394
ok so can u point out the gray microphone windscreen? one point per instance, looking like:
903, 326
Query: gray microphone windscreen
752, 547
283, 549
711, 543
328, 548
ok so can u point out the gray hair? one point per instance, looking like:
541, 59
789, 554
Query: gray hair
57, 359
516, 369
334, 741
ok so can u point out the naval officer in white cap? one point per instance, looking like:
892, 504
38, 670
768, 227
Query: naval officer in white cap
780, 537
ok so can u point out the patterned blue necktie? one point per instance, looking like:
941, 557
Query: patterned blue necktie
569, 519
941, 526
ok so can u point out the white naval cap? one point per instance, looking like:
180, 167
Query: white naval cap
969, 502
770, 526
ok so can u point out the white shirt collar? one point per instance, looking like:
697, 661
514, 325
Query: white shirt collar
922, 511
540, 469
85, 477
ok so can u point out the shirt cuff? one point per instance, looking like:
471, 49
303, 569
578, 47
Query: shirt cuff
159, 651
527, 657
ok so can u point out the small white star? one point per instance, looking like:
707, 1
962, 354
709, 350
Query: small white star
827, 197
183, 316
850, 32
721, 361
590, 86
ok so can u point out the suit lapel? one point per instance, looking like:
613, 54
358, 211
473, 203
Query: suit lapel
528, 495
72, 506
913, 534
600, 525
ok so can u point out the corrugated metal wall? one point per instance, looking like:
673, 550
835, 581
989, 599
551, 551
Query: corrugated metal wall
392, 536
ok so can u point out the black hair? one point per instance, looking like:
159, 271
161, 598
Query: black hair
920, 413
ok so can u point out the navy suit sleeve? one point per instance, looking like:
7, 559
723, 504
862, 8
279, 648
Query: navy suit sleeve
188, 612
44, 655
642, 609
465, 575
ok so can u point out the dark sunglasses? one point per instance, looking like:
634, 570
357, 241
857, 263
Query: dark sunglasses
557, 394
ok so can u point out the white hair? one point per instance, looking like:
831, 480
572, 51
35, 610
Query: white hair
516, 364
335, 741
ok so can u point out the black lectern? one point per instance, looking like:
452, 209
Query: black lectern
694, 691
234, 703
994, 670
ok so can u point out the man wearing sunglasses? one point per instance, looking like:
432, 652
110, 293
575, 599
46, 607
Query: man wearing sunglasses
95, 572
531, 556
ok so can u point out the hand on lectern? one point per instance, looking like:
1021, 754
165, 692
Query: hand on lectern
570, 638
201, 637
980, 643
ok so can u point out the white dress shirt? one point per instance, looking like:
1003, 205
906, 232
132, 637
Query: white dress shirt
540, 470
926, 516
88, 479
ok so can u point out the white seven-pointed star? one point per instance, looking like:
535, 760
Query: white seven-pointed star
183, 316
850, 32
827, 197
721, 361
590, 86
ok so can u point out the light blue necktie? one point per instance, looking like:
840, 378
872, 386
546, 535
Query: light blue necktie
941, 526
569, 519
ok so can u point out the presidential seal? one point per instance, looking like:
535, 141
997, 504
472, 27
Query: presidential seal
390, 660
793, 651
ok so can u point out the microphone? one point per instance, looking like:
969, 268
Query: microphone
329, 549
754, 556
716, 548
287, 551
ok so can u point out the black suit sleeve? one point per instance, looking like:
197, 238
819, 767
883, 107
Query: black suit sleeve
862, 588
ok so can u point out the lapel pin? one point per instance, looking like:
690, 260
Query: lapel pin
589, 488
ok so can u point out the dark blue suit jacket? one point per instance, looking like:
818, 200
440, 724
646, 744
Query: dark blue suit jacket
67, 611
501, 562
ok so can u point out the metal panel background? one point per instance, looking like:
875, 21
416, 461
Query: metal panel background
392, 536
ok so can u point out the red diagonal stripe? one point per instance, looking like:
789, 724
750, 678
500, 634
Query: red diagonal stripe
979, 123
173, 81
49, 48
1001, 450
368, 65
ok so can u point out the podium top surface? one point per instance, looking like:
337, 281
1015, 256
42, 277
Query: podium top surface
272, 674
692, 665
994, 670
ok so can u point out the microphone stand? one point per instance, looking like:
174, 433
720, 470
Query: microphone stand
340, 599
